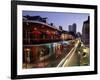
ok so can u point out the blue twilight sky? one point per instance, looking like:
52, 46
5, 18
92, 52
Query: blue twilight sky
63, 19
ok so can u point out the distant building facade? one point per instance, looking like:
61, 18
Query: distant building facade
72, 28
86, 31
78, 35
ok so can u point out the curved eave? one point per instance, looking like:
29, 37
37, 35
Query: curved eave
32, 21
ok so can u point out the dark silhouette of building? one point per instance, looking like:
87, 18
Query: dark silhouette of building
78, 35
86, 31
72, 28
60, 27
36, 18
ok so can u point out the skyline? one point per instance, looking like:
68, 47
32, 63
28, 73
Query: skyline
63, 19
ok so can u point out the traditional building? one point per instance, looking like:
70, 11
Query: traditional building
66, 35
36, 30
38, 41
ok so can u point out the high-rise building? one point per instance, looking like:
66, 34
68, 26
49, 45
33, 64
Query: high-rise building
85, 31
60, 27
72, 28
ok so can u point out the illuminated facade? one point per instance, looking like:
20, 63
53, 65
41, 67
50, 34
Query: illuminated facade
41, 42
39, 32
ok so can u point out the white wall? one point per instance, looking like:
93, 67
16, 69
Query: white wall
5, 29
